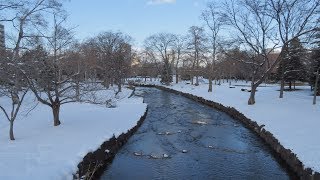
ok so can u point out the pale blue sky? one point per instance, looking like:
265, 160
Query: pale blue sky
138, 18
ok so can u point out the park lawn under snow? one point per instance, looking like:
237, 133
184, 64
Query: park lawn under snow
293, 120
42, 151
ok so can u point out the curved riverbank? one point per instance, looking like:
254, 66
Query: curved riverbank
184, 139
94, 163
285, 154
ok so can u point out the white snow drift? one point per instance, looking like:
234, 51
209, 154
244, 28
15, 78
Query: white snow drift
42, 151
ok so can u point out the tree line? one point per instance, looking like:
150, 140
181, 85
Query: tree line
47, 61
256, 40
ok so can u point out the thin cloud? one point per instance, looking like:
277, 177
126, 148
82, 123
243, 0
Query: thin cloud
155, 2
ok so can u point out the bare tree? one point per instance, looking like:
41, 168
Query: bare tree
24, 14
149, 57
113, 56
255, 34
236, 58
146, 65
90, 59
197, 47
46, 79
74, 64
161, 45
31, 14
6, 6
178, 52
13, 87
214, 22
121, 61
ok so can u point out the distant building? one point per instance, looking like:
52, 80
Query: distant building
2, 36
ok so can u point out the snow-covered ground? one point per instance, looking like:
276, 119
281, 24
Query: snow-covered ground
42, 151
293, 120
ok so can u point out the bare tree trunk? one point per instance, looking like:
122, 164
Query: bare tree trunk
252, 100
95, 75
197, 80
285, 50
106, 83
111, 81
119, 87
281, 87
11, 131
290, 85
210, 84
56, 114
316, 88
78, 90
177, 76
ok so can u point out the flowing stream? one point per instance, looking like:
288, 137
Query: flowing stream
183, 139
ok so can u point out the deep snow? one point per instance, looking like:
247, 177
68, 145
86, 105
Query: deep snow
42, 151
293, 120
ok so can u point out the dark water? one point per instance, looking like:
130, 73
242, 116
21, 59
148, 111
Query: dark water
200, 142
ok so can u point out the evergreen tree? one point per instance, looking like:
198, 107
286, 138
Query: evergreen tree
292, 66
315, 63
296, 70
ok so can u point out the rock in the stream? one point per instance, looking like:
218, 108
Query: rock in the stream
165, 155
137, 153
200, 122
153, 156
184, 151
165, 133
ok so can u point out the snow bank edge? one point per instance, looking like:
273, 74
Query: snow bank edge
95, 163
